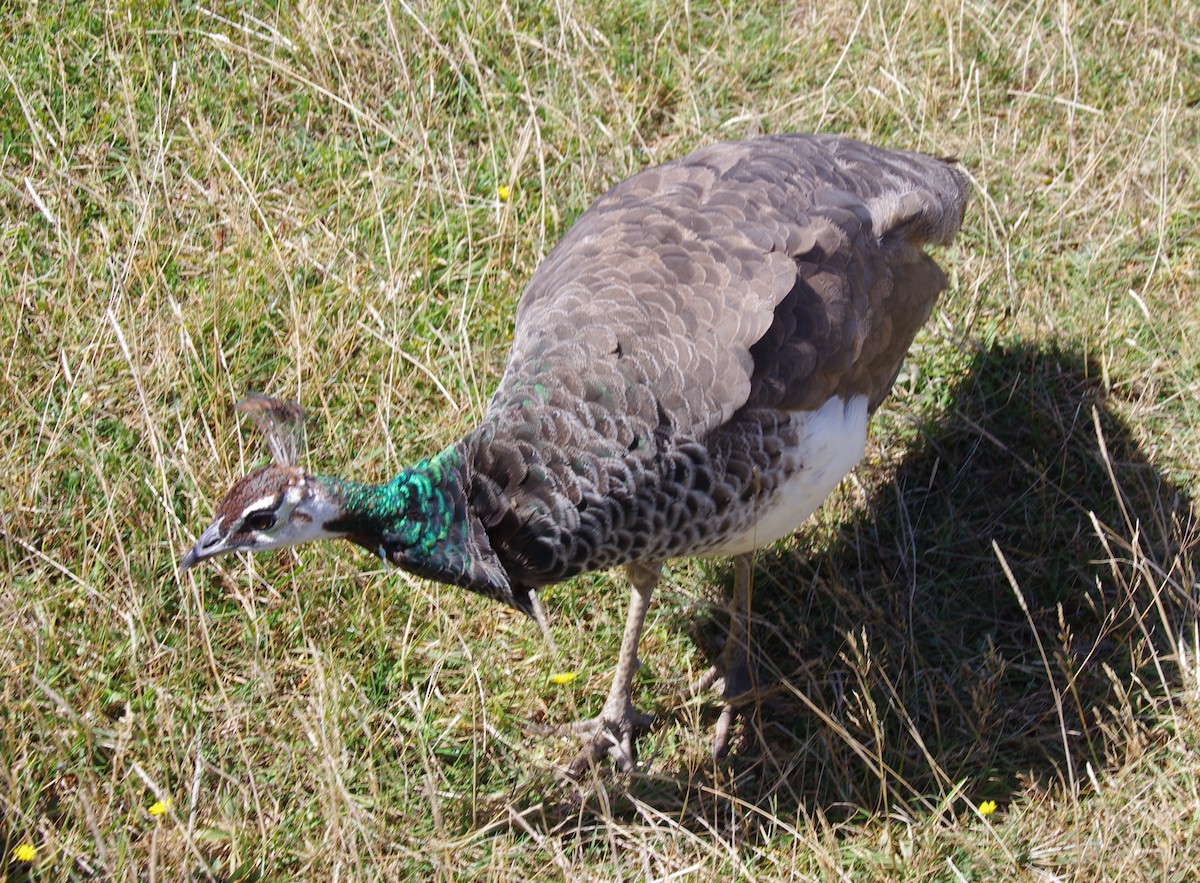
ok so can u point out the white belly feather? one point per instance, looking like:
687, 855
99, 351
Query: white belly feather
832, 441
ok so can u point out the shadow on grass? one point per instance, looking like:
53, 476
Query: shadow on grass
902, 660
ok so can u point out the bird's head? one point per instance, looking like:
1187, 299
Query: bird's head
272, 507
276, 505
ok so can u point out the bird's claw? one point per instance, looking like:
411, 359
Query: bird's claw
608, 734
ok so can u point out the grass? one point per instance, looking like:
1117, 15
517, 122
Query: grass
1001, 604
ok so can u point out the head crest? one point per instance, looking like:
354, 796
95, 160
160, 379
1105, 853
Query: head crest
281, 422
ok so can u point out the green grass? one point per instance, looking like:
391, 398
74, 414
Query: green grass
1001, 604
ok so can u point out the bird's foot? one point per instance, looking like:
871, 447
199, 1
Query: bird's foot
611, 733
733, 678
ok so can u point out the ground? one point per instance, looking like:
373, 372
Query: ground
981, 654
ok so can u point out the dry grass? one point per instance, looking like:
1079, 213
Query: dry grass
1001, 605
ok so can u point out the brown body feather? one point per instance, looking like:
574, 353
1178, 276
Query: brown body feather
692, 372
663, 345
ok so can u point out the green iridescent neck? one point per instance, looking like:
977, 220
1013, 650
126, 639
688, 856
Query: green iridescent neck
422, 520
413, 509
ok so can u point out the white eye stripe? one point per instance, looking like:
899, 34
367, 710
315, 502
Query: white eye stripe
267, 502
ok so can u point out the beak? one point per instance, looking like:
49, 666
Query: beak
210, 544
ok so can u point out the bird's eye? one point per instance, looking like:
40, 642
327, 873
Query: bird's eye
261, 520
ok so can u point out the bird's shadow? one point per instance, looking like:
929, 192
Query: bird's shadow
979, 625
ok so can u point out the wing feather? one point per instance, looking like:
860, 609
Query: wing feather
769, 272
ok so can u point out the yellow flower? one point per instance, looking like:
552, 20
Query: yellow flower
159, 807
563, 677
503, 192
987, 807
25, 852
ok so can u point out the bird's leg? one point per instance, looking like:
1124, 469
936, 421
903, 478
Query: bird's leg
611, 732
543, 621
732, 667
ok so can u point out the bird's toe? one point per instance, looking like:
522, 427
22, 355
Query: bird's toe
703, 683
722, 731
734, 680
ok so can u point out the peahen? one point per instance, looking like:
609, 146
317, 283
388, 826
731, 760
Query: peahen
692, 371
